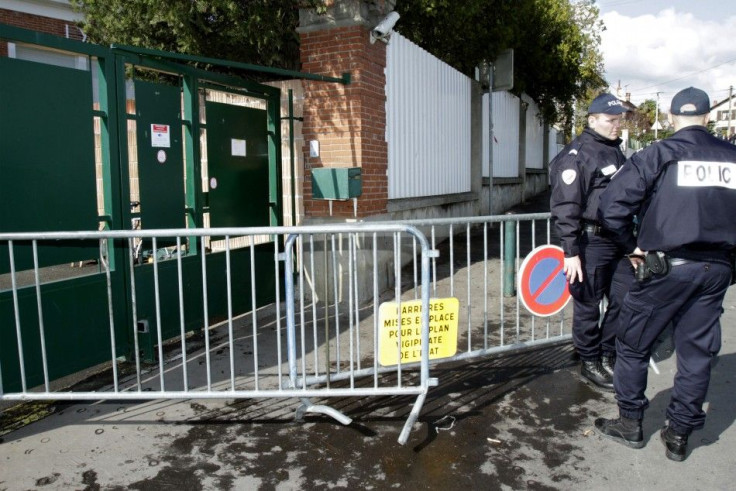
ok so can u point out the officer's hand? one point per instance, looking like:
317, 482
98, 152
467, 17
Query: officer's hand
573, 269
636, 257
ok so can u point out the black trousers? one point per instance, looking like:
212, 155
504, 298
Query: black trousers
606, 272
691, 297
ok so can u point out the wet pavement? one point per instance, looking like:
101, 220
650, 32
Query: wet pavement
519, 421
514, 421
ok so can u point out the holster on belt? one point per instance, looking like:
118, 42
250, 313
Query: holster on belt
655, 262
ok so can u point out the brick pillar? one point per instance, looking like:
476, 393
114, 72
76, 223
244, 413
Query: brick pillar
348, 121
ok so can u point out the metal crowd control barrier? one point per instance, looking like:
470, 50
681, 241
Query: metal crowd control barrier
494, 320
331, 311
361, 362
242, 356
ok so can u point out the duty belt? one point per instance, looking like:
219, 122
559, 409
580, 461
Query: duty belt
592, 228
678, 261
658, 263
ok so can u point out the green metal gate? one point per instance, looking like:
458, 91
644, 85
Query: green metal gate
77, 152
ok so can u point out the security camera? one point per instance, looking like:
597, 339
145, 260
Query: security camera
384, 28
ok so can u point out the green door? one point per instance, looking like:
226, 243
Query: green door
160, 155
237, 159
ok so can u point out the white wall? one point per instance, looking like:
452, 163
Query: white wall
428, 119
428, 127
534, 135
553, 147
505, 135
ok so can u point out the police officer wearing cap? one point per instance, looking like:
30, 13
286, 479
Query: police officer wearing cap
683, 189
593, 263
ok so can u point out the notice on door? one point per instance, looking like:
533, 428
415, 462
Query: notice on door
237, 147
400, 335
160, 136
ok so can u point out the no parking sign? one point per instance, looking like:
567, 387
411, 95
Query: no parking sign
542, 283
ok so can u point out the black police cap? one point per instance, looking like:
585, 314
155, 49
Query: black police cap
690, 102
607, 104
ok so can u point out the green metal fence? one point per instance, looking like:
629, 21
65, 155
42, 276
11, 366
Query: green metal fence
114, 138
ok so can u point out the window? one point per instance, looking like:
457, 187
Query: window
48, 56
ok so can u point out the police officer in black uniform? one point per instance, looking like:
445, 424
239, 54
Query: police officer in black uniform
684, 191
593, 262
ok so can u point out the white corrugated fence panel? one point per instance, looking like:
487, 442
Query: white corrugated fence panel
505, 135
485, 163
427, 123
534, 136
553, 147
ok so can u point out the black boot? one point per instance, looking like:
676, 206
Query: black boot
675, 443
623, 430
607, 362
592, 370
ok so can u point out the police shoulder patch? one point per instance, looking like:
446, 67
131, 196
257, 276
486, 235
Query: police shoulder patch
568, 176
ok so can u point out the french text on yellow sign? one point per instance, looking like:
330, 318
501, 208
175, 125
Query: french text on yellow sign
400, 337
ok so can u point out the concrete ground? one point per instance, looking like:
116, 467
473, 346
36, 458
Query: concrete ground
514, 422
518, 421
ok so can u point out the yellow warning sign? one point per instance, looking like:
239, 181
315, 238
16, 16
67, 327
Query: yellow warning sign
401, 336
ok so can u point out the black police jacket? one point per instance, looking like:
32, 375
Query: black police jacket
578, 175
683, 189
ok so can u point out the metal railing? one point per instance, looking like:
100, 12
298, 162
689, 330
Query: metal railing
478, 261
242, 356
324, 340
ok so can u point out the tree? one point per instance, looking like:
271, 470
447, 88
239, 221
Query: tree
261, 32
641, 121
555, 42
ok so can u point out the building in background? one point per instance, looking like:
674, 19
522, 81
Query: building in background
725, 123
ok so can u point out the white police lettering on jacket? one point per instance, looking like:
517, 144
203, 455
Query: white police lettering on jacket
687, 187
693, 173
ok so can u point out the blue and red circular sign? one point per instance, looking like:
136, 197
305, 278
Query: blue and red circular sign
542, 283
